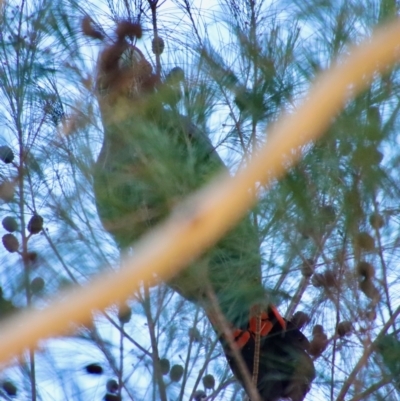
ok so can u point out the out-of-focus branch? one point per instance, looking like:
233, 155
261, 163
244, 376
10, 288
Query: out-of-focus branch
208, 214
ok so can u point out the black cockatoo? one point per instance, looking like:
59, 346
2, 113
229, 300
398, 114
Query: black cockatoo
151, 158
285, 370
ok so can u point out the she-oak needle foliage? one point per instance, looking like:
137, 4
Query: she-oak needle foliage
328, 232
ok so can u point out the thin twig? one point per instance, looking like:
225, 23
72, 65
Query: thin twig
186, 367
153, 8
154, 344
256, 362
121, 361
126, 335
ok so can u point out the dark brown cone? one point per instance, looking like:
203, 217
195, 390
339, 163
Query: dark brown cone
209, 381
10, 242
307, 268
157, 45
6, 154
318, 344
344, 328
35, 224
176, 373
376, 220
9, 224
365, 270
300, 319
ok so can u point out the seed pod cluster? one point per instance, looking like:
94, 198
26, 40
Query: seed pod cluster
344, 328
37, 285
10, 242
319, 342
194, 334
307, 268
369, 289
6, 154
209, 381
366, 272
9, 224
7, 189
9, 387
164, 366
328, 214
300, 319
35, 224
124, 313
157, 45
94, 369
376, 220
176, 373
365, 241
370, 314
112, 386
30, 257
